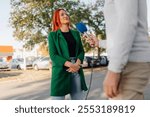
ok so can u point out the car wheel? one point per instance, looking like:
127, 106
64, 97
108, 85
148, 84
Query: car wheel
90, 64
36, 67
103, 61
18, 67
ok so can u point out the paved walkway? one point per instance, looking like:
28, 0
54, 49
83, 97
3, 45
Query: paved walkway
35, 85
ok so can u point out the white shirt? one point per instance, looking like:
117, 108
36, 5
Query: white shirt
126, 32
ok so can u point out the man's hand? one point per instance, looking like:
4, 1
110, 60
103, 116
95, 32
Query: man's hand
110, 84
92, 40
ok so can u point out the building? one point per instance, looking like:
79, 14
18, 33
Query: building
6, 52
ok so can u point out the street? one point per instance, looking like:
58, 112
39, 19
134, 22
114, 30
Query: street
35, 85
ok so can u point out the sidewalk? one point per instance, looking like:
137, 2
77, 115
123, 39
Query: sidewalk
35, 85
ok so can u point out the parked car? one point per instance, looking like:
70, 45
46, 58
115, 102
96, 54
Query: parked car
85, 63
37, 59
4, 64
19, 63
15, 64
103, 61
42, 63
90, 61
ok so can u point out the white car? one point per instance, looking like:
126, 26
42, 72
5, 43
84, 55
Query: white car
42, 63
20, 64
4, 64
15, 64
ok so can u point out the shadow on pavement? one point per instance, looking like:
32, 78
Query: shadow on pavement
30, 91
5, 74
39, 89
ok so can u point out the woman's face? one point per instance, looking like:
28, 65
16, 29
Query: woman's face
64, 18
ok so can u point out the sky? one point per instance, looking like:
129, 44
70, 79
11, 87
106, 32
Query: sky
6, 32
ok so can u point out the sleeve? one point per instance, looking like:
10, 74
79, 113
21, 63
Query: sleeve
56, 59
102, 43
125, 30
81, 50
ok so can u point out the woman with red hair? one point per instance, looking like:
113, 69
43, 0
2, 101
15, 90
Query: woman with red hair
67, 54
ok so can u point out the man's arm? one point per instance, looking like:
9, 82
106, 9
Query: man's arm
123, 37
125, 30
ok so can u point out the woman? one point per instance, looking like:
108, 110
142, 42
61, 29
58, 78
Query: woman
67, 54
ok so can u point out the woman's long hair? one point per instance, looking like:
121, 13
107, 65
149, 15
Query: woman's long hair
56, 20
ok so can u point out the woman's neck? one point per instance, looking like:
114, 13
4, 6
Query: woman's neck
64, 28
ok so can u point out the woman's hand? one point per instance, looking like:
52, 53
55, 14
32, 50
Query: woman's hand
78, 62
73, 68
77, 65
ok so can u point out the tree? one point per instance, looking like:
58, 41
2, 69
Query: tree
31, 19
92, 16
96, 21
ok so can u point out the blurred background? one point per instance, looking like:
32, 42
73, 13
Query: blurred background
25, 66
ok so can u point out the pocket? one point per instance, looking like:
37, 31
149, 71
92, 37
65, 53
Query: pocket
136, 69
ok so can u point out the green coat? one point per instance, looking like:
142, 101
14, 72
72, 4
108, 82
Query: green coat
59, 54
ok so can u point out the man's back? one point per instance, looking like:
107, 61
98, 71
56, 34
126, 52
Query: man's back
141, 46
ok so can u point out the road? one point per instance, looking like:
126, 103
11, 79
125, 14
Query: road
35, 85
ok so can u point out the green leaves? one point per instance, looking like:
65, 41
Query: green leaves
31, 19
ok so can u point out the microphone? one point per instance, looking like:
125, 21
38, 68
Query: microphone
81, 27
